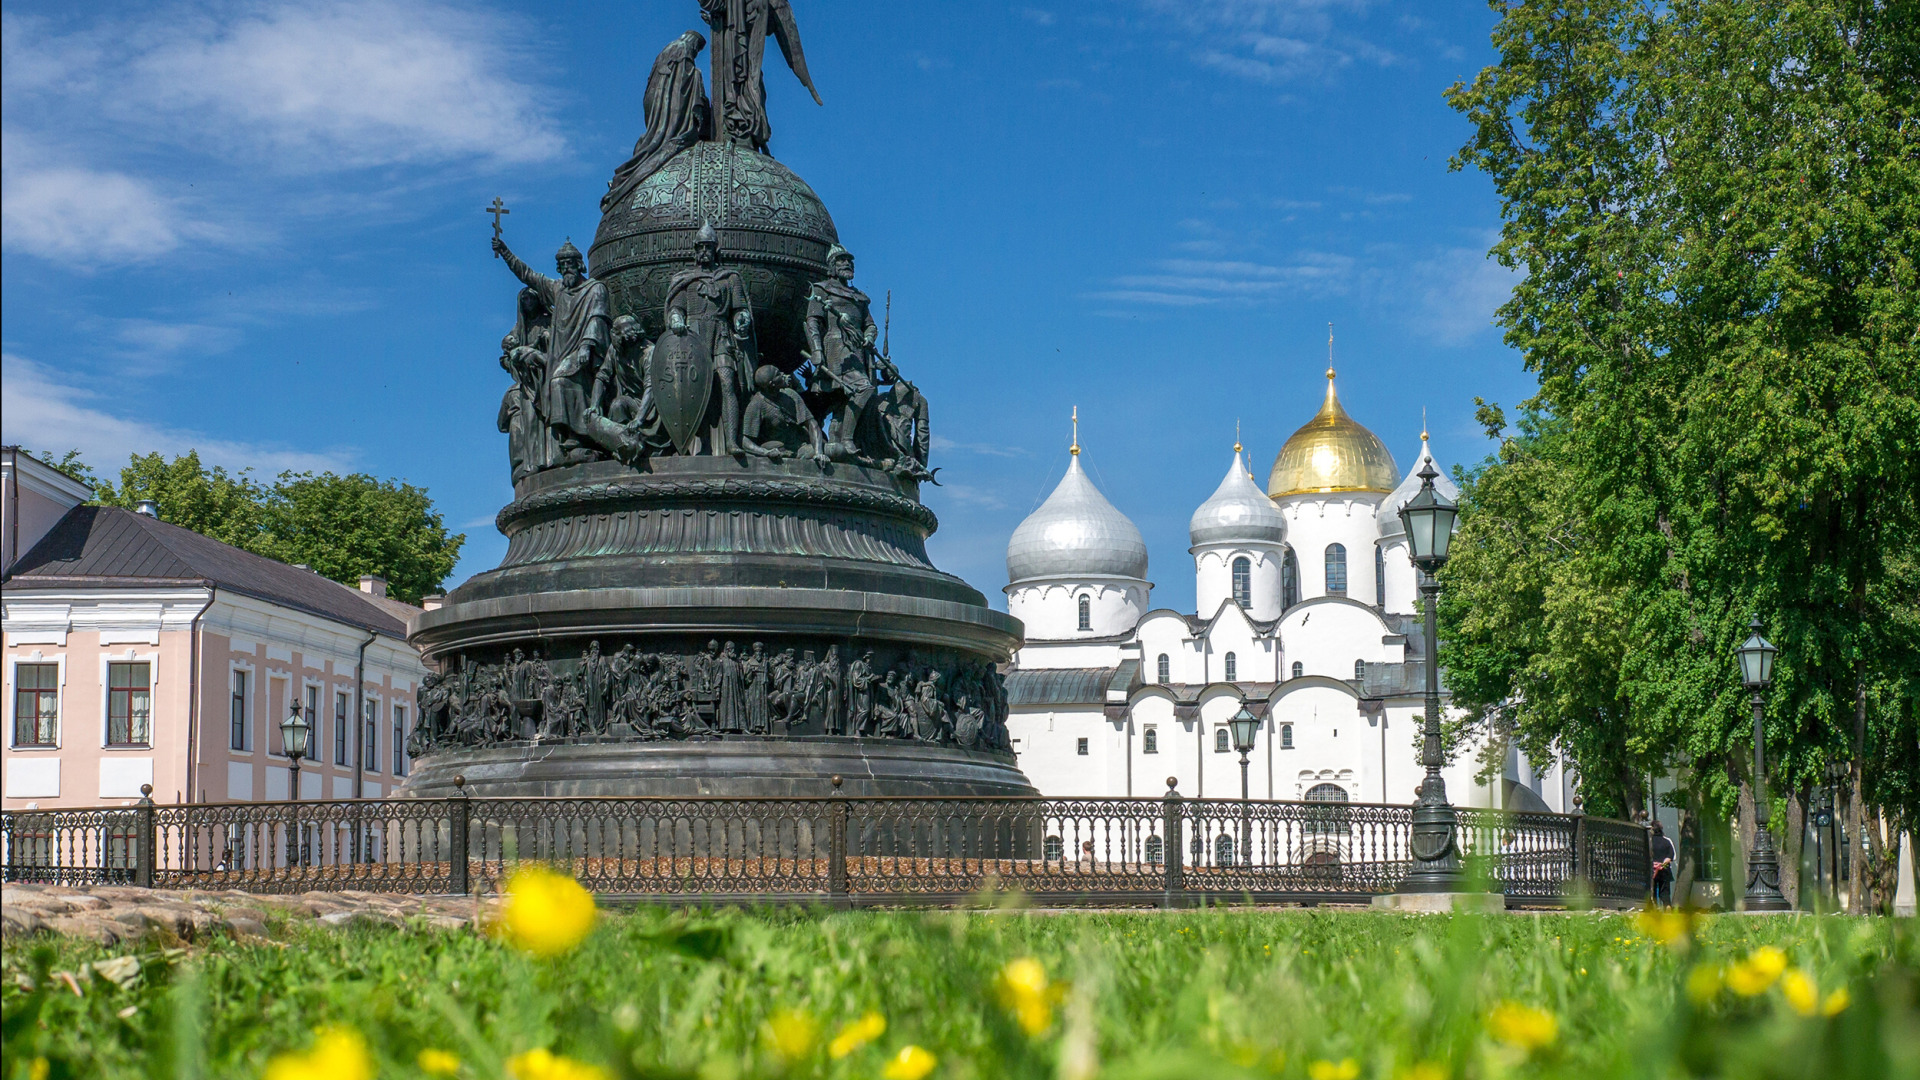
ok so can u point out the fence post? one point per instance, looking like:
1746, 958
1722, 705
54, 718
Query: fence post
1173, 850
837, 847
1582, 860
143, 839
457, 808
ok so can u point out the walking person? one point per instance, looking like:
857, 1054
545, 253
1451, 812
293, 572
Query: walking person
1663, 856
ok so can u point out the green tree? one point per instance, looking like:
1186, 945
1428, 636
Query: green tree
1717, 207
210, 501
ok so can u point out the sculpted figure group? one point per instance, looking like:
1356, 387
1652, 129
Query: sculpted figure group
629, 695
588, 386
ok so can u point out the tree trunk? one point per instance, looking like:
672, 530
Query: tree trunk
1792, 847
1855, 817
1736, 885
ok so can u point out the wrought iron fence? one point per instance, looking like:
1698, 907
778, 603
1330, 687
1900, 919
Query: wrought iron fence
842, 851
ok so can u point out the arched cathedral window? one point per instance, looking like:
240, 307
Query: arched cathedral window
1164, 668
1086, 613
1299, 669
1233, 668
1150, 742
1359, 669
1379, 577
1220, 743
1289, 580
1286, 736
1336, 570
1243, 581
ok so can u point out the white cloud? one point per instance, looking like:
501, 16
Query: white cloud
44, 414
58, 210
1192, 282
1459, 291
1268, 41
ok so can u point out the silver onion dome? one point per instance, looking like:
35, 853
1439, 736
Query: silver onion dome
1076, 533
1388, 516
1237, 512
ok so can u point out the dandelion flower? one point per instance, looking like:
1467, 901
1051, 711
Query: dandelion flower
337, 1053
1757, 972
437, 1062
1344, 1069
1425, 1070
1665, 927
1703, 983
547, 913
1523, 1026
1836, 1002
544, 1064
857, 1034
38, 1069
792, 1033
1801, 993
1026, 993
911, 1063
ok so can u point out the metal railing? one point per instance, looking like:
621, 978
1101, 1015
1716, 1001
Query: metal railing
839, 850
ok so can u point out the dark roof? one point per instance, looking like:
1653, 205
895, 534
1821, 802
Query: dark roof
1059, 686
105, 545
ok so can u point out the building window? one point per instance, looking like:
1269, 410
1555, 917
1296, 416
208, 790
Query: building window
238, 709
1165, 669
1289, 580
1379, 577
1051, 849
1080, 747
370, 723
1150, 742
1326, 793
1197, 849
340, 744
1243, 581
1156, 850
1299, 669
1359, 670
1336, 570
1086, 614
1223, 850
1220, 742
36, 704
1286, 736
129, 705
1233, 668
399, 740
315, 719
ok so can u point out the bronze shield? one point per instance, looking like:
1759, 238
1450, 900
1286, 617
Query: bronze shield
681, 370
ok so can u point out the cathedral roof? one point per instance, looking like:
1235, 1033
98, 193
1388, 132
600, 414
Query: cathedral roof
1076, 533
1332, 452
1238, 511
1388, 516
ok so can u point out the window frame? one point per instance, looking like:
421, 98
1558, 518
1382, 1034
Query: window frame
1380, 576
1222, 742
1082, 748
1150, 740
1289, 579
1085, 612
1164, 668
1230, 667
399, 739
370, 734
1299, 670
1242, 578
1336, 553
114, 692
1286, 736
58, 664
240, 709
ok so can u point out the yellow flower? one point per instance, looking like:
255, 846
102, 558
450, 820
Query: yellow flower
857, 1034
1026, 993
544, 1064
1665, 927
1703, 983
1836, 1003
1523, 1026
547, 913
38, 1069
1757, 972
1801, 993
1426, 1070
1344, 1069
437, 1062
792, 1033
337, 1053
911, 1063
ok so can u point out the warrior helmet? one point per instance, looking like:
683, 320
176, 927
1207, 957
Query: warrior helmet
706, 237
569, 252
836, 253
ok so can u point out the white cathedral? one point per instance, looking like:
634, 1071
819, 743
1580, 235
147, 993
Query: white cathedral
1306, 617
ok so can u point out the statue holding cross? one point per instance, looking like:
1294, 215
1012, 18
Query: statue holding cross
496, 210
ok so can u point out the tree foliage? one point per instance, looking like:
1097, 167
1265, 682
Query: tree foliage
1716, 204
341, 526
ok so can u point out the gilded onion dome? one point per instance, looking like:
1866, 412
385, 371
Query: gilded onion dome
1330, 453
1076, 533
1237, 512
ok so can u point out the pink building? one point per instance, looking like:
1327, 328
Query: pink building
138, 652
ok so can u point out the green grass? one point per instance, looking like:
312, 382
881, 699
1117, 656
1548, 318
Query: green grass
1206, 994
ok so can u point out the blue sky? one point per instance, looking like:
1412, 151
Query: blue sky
256, 229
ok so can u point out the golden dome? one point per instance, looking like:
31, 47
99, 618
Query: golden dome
1332, 452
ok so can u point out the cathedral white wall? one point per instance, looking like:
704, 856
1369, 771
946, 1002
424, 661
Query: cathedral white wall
1166, 632
1325, 636
1051, 608
1046, 743
1316, 521
1052, 655
1213, 577
1403, 590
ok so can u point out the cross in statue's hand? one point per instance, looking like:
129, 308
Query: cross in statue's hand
496, 210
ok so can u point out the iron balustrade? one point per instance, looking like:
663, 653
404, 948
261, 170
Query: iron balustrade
838, 850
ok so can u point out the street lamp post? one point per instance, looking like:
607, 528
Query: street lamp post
1763, 866
294, 731
1428, 519
1245, 727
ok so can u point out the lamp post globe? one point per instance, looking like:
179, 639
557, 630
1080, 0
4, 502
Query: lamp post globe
1245, 726
1763, 864
294, 733
1428, 519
